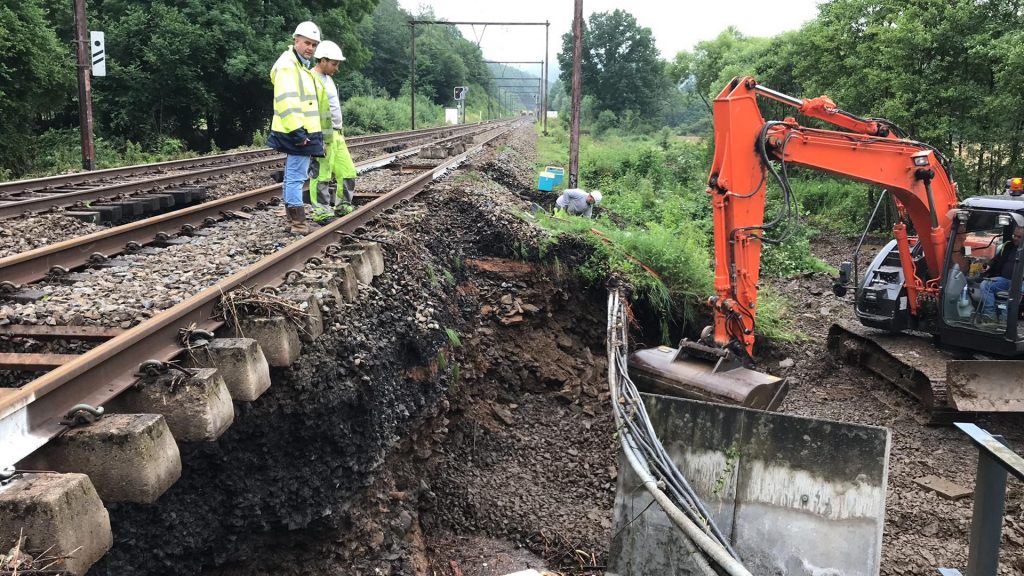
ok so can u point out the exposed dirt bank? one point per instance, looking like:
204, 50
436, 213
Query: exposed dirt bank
458, 400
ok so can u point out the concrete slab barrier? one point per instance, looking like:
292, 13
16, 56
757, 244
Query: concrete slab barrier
796, 496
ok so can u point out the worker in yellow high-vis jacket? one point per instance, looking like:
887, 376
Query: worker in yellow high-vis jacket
296, 127
337, 164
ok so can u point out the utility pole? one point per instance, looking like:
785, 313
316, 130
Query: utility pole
84, 86
547, 32
412, 66
577, 87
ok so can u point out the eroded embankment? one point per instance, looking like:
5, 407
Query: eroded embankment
459, 399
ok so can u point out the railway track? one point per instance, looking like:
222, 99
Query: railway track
35, 412
124, 193
60, 258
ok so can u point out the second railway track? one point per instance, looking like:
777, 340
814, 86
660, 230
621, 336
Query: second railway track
61, 257
123, 193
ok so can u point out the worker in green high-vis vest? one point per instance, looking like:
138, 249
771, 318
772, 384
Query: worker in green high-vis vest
337, 163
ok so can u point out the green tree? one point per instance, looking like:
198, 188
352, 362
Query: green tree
388, 32
444, 59
37, 74
199, 70
714, 62
620, 65
930, 66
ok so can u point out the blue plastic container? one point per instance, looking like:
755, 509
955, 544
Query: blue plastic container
546, 182
558, 172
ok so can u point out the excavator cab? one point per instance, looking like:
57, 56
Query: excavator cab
980, 304
977, 365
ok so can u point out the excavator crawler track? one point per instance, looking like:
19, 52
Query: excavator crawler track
911, 362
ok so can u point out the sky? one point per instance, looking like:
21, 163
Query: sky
676, 24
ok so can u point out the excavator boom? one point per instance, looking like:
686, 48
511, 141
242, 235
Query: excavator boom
745, 145
903, 288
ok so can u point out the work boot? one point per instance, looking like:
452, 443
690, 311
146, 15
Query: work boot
322, 215
297, 216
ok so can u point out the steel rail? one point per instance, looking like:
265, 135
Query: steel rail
34, 265
80, 197
398, 137
33, 184
31, 415
51, 182
77, 198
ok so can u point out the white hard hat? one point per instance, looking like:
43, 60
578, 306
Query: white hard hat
307, 29
329, 50
597, 196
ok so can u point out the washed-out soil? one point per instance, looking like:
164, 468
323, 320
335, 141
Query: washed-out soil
452, 420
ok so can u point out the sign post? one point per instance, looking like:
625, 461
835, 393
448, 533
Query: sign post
99, 53
460, 97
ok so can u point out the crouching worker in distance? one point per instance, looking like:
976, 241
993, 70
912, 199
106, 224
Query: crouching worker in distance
577, 202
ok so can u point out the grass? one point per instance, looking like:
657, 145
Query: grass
772, 315
453, 387
680, 262
656, 189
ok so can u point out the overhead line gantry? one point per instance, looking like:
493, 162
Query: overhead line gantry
412, 35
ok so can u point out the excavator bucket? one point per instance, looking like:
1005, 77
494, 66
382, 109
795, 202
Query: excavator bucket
986, 385
667, 371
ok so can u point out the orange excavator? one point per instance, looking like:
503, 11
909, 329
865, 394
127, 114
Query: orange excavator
928, 320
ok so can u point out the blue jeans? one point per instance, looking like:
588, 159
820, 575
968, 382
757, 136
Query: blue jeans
989, 288
296, 171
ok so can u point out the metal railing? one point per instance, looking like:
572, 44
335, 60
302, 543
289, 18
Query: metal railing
995, 461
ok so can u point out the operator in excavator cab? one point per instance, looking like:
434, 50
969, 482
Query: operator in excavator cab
998, 273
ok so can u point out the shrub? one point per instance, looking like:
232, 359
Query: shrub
364, 114
655, 188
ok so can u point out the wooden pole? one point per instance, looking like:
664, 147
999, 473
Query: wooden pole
544, 111
577, 87
412, 85
84, 86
